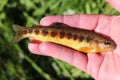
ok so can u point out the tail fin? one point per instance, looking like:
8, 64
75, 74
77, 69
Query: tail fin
18, 36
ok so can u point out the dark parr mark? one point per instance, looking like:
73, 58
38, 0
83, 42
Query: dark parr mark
53, 33
44, 32
23, 32
81, 38
89, 38
36, 31
75, 37
69, 35
30, 30
62, 34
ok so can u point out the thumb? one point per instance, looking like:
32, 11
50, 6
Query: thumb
115, 4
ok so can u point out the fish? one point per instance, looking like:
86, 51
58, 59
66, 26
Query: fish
83, 40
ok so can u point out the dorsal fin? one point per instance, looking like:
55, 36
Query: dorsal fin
58, 24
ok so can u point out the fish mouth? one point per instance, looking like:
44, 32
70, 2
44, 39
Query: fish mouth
114, 45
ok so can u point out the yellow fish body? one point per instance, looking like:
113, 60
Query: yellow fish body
75, 38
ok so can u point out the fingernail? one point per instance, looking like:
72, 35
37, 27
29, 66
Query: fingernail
33, 48
45, 21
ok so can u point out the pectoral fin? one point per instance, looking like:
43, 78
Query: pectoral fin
86, 50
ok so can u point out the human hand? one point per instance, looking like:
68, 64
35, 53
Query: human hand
115, 4
104, 66
100, 66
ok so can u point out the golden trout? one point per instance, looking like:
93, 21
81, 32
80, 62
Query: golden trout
75, 38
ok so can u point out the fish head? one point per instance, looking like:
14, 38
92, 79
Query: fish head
103, 44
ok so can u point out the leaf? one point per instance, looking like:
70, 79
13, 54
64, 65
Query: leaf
2, 4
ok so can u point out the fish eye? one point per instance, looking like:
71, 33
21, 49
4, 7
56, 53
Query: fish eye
107, 43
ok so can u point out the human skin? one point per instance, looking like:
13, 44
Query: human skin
102, 66
115, 4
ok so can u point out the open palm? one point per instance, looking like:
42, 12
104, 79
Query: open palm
102, 66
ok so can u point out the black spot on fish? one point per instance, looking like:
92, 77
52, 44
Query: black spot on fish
53, 33
36, 31
89, 38
81, 38
30, 30
44, 32
62, 34
75, 37
69, 35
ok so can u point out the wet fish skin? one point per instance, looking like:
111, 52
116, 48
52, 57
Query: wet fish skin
75, 38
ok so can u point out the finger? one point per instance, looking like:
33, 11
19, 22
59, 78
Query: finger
80, 21
104, 24
72, 57
100, 23
34, 48
115, 33
115, 4
93, 68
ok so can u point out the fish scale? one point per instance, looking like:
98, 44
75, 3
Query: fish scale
78, 39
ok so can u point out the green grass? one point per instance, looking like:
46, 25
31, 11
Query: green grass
16, 61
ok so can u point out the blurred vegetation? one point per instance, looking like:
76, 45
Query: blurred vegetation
16, 61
